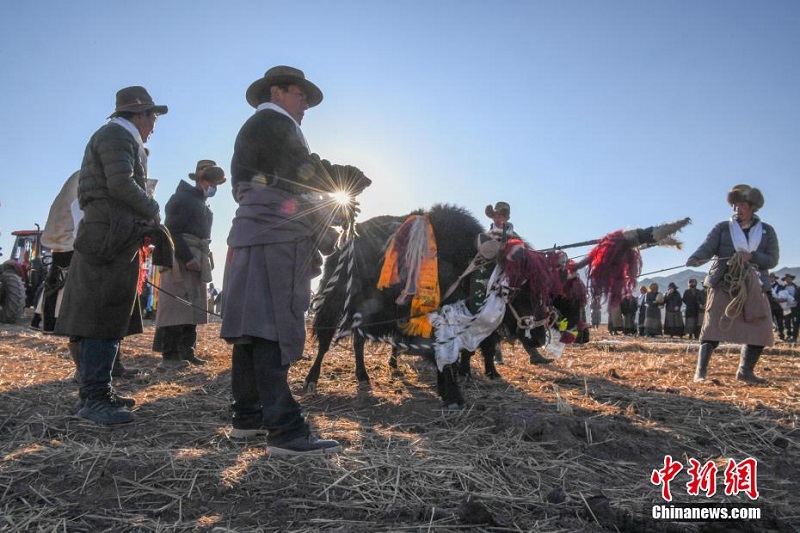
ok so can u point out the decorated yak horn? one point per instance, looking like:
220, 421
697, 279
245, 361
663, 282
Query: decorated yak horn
662, 235
645, 238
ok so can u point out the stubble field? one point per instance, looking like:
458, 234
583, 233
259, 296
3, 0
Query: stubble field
562, 448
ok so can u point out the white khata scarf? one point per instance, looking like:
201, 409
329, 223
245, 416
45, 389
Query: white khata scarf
130, 127
282, 111
742, 243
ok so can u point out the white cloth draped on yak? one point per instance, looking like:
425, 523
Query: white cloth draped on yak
457, 329
411, 264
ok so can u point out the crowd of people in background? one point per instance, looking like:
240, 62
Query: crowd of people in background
642, 315
683, 312
783, 304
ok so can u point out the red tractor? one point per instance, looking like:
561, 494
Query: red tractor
22, 275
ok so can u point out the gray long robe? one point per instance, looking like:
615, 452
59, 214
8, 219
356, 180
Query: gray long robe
268, 269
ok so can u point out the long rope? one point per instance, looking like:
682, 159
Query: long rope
739, 281
349, 256
184, 301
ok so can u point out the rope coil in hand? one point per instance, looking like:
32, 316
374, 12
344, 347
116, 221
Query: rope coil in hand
738, 280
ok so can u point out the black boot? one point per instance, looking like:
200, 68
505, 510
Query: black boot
187, 344
100, 406
448, 387
170, 343
703, 357
747, 362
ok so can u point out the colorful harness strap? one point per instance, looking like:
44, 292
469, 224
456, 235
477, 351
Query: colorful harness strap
412, 257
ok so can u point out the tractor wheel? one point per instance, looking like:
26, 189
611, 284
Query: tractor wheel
12, 297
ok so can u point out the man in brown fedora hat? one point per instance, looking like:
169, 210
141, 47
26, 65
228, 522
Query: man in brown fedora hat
188, 218
284, 217
100, 304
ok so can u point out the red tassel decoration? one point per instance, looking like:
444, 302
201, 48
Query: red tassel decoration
521, 264
612, 267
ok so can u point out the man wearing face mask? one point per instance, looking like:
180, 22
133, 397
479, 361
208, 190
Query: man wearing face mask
189, 219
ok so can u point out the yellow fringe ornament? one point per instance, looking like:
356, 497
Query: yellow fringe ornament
422, 267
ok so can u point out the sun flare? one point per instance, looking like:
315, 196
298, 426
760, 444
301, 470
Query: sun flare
341, 197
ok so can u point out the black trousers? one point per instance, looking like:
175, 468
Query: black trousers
259, 383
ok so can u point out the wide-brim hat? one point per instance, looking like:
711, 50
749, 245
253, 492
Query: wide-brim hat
209, 171
746, 193
136, 99
787, 277
283, 74
499, 207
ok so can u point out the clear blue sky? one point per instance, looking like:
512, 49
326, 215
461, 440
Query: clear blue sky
586, 116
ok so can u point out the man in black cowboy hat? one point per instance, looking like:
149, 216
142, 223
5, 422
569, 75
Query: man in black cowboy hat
100, 304
284, 216
188, 218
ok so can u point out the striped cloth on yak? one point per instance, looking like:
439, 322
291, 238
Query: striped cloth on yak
411, 256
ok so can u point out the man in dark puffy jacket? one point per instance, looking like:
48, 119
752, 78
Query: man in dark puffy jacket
100, 304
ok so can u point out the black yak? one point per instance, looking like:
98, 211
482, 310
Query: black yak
351, 279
